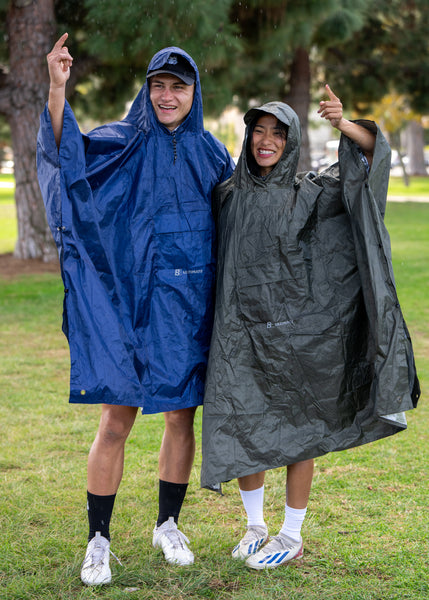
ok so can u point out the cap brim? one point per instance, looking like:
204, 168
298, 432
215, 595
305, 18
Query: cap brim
186, 80
252, 113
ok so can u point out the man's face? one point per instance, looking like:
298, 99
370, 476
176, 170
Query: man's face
171, 99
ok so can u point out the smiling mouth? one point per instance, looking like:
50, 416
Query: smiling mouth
168, 108
266, 152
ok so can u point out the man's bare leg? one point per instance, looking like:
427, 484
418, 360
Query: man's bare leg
177, 452
106, 465
106, 457
105, 468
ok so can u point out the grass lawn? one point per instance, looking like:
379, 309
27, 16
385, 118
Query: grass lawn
366, 533
8, 227
418, 186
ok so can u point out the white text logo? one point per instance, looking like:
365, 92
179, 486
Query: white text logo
279, 324
179, 272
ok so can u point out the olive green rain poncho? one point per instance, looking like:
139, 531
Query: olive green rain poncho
310, 352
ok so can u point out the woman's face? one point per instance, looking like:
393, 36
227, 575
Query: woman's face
267, 144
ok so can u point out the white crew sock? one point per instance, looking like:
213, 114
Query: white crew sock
253, 502
294, 518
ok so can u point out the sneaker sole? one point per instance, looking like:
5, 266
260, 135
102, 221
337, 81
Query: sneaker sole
105, 581
177, 563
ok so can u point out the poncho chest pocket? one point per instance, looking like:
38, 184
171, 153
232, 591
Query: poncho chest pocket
184, 272
184, 240
270, 293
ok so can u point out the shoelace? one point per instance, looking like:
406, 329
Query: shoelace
115, 557
98, 553
254, 533
280, 542
176, 537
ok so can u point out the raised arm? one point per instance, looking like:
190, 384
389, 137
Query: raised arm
59, 63
332, 110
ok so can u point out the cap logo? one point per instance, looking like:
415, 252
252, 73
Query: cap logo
172, 60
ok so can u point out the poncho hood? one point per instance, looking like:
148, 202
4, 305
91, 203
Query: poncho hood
141, 113
284, 172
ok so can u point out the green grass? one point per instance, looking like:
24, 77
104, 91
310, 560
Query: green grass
8, 226
366, 533
408, 225
418, 186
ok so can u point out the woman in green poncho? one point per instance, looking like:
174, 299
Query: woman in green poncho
298, 361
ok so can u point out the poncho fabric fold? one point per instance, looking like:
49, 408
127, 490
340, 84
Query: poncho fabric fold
129, 206
310, 352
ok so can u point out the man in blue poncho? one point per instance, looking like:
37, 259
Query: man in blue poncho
129, 206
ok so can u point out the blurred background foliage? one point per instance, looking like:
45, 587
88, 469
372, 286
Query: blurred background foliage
374, 56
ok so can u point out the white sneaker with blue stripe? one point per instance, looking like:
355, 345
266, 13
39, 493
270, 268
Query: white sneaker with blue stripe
255, 536
278, 551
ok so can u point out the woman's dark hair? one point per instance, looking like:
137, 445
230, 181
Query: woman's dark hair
251, 162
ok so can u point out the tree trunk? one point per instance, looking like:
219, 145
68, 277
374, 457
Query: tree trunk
415, 149
395, 144
31, 27
299, 99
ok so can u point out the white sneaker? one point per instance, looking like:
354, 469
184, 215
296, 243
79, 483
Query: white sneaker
173, 543
255, 536
95, 567
279, 550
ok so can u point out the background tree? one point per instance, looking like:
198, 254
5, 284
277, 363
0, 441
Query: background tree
415, 147
23, 90
281, 41
121, 37
393, 115
389, 54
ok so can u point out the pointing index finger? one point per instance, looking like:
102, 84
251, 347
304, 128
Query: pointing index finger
330, 93
61, 41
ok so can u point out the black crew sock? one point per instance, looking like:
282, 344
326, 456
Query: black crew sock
171, 496
100, 510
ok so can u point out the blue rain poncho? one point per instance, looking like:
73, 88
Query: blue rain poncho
129, 206
310, 352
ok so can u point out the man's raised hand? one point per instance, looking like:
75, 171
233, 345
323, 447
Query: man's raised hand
59, 63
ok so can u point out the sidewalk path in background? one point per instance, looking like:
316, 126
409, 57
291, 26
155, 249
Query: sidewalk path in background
407, 198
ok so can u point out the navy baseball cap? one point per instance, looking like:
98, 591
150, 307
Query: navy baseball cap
176, 65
